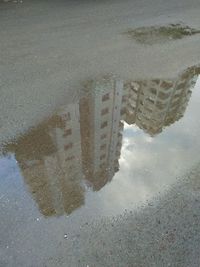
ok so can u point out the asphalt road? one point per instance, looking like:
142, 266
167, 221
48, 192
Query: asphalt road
47, 50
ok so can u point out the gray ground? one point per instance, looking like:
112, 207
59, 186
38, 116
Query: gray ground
46, 49
165, 233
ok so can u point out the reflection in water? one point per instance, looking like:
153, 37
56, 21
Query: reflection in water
101, 131
158, 103
81, 144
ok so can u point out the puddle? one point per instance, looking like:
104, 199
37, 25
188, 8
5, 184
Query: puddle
98, 126
158, 34
110, 150
113, 149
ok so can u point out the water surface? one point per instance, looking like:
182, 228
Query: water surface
116, 146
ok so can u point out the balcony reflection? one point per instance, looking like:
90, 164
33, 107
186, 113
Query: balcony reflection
81, 144
157, 103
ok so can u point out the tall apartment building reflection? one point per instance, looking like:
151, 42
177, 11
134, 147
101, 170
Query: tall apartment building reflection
64, 168
83, 140
101, 130
154, 104
50, 161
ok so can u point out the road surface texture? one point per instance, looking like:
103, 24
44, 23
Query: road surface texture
143, 208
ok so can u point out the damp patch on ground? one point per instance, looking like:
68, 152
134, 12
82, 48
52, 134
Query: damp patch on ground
158, 34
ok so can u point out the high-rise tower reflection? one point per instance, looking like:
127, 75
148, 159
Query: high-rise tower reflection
101, 130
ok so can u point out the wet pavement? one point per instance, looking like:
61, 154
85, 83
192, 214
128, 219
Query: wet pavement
120, 145
101, 168
120, 138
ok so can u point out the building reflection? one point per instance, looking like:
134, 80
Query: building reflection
101, 130
46, 159
81, 144
157, 103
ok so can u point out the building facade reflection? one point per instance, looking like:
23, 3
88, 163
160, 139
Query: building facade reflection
81, 144
154, 104
101, 131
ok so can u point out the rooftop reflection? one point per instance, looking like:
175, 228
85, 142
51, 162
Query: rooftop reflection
81, 144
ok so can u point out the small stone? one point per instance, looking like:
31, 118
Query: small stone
65, 236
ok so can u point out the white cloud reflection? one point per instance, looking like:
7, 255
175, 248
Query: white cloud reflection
148, 165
